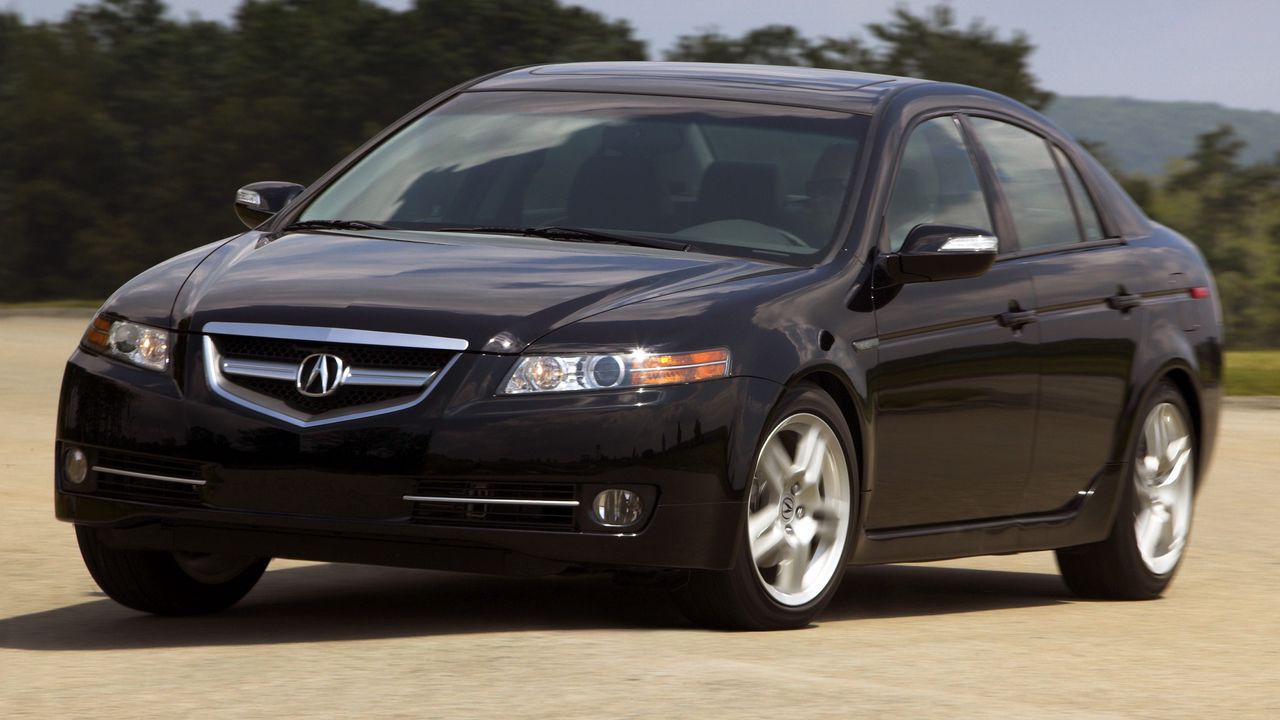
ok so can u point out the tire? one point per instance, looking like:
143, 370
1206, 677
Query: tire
162, 583
1140, 557
802, 550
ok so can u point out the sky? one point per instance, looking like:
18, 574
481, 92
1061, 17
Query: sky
1222, 51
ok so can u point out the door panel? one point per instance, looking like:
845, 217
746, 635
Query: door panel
954, 391
954, 397
1086, 355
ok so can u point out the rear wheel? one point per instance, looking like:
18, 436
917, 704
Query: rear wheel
799, 519
1151, 529
167, 583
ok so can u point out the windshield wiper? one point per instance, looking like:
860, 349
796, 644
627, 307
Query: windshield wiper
334, 225
574, 234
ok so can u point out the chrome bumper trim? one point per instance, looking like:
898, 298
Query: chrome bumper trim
146, 476
490, 501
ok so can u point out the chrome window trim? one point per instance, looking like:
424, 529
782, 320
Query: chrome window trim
335, 335
145, 476
490, 501
277, 410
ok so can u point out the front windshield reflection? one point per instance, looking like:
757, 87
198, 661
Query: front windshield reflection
727, 177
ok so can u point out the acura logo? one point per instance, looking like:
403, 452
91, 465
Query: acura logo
320, 375
788, 507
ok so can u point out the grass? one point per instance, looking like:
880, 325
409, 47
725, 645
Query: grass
1253, 372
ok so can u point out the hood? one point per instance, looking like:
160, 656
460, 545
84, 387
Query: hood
473, 287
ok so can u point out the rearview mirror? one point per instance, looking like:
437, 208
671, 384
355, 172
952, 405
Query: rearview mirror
942, 252
257, 202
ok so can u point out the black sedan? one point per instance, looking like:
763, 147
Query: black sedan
731, 328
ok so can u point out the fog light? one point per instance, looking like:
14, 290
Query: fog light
618, 508
75, 466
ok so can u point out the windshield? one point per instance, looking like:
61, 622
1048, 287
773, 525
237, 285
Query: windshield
724, 177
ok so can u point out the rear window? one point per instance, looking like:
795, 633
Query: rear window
1033, 188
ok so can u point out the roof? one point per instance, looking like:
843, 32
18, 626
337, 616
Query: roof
815, 87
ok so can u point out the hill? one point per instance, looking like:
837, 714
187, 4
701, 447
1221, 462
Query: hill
1141, 136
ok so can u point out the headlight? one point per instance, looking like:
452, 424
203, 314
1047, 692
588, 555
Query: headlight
141, 345
560, 373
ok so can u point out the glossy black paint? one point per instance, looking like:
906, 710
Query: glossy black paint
447, 284
991, 413
923, 260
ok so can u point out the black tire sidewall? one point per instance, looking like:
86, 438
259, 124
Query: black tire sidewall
152, 580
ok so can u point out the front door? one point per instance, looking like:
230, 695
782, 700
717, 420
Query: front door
955, 385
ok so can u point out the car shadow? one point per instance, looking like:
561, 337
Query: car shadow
324, 602
892, 591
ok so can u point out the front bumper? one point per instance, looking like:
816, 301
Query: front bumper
337, 492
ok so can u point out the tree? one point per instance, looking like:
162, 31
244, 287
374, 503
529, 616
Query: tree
771, 45
927, 46
1232, 212
124, 132
931, 46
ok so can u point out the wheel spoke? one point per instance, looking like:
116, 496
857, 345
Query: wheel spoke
1150, 527
775, 466
1161, 448
759, 522
810, 455
1164, 539
805, 530
1176, 448
1168, 491
791, 570
1150, 437
766, 548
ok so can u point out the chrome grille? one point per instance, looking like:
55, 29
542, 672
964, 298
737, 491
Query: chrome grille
257, 348
344, 397
258, 366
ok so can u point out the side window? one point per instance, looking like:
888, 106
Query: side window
1038, 201
936, 183
1084, 204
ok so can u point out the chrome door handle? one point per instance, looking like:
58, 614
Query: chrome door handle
1124, 302
1015, 319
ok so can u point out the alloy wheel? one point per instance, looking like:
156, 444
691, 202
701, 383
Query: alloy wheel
1163, 480
798, 509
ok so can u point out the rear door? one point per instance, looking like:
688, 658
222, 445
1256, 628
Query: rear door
954, 388
1088, 310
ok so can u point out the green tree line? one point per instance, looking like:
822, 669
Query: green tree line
124, 132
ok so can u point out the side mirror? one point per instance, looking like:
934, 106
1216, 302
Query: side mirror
257, 202
942, 252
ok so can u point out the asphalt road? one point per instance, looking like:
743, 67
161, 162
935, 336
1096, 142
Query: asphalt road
978, 637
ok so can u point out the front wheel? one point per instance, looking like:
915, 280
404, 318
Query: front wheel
1151, 529
167, 583
799, 521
